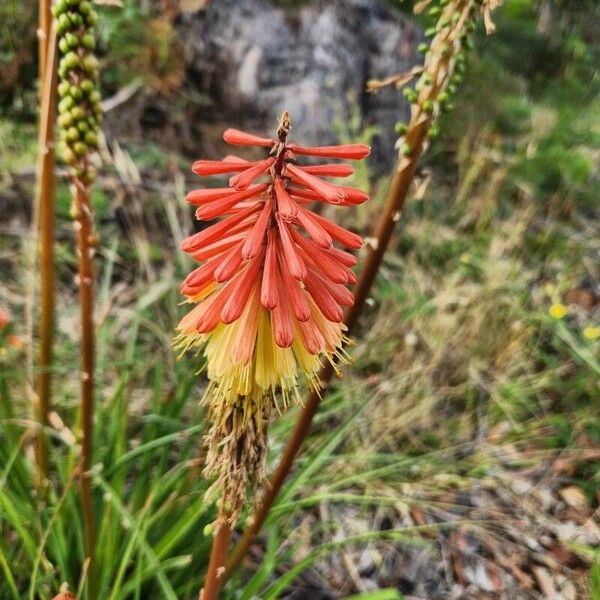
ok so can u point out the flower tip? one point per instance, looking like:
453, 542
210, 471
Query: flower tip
237, 137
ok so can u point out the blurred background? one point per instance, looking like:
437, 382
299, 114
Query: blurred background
458, 457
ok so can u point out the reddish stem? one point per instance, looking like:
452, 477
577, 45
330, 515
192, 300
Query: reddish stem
218, 558
44, 201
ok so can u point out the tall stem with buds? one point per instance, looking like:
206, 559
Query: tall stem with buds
79, 120
443, 64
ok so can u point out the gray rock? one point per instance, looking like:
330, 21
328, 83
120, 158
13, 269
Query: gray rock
252, 60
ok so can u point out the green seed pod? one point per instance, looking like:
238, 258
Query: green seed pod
90, 174
87, 86
65, 121
430, 31
456, 79
434, 132
76, 19
63, 23
79, 148
434, 11
71, 60
92, 18
69, 156
78, 113
91, 139
72, 134
426, 79
88, 41
410, 95
71, 39
428, 106
66, 104
447, 107
63, 88
79, 107
400, 128
61, 7
451, 89
423, 48
90, 64
75, 92
443, 97
406, 149
95, 97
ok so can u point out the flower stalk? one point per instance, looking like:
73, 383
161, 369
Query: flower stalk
79, 120
268, 299
444, 60
44, 225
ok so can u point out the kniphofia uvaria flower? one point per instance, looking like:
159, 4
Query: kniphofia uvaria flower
269, 290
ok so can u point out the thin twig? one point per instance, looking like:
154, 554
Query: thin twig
44, 202
440, 68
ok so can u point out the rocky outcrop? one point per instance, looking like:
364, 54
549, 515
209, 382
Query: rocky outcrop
248, 60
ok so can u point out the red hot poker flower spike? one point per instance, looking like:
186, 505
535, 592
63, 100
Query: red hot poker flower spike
270, 289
